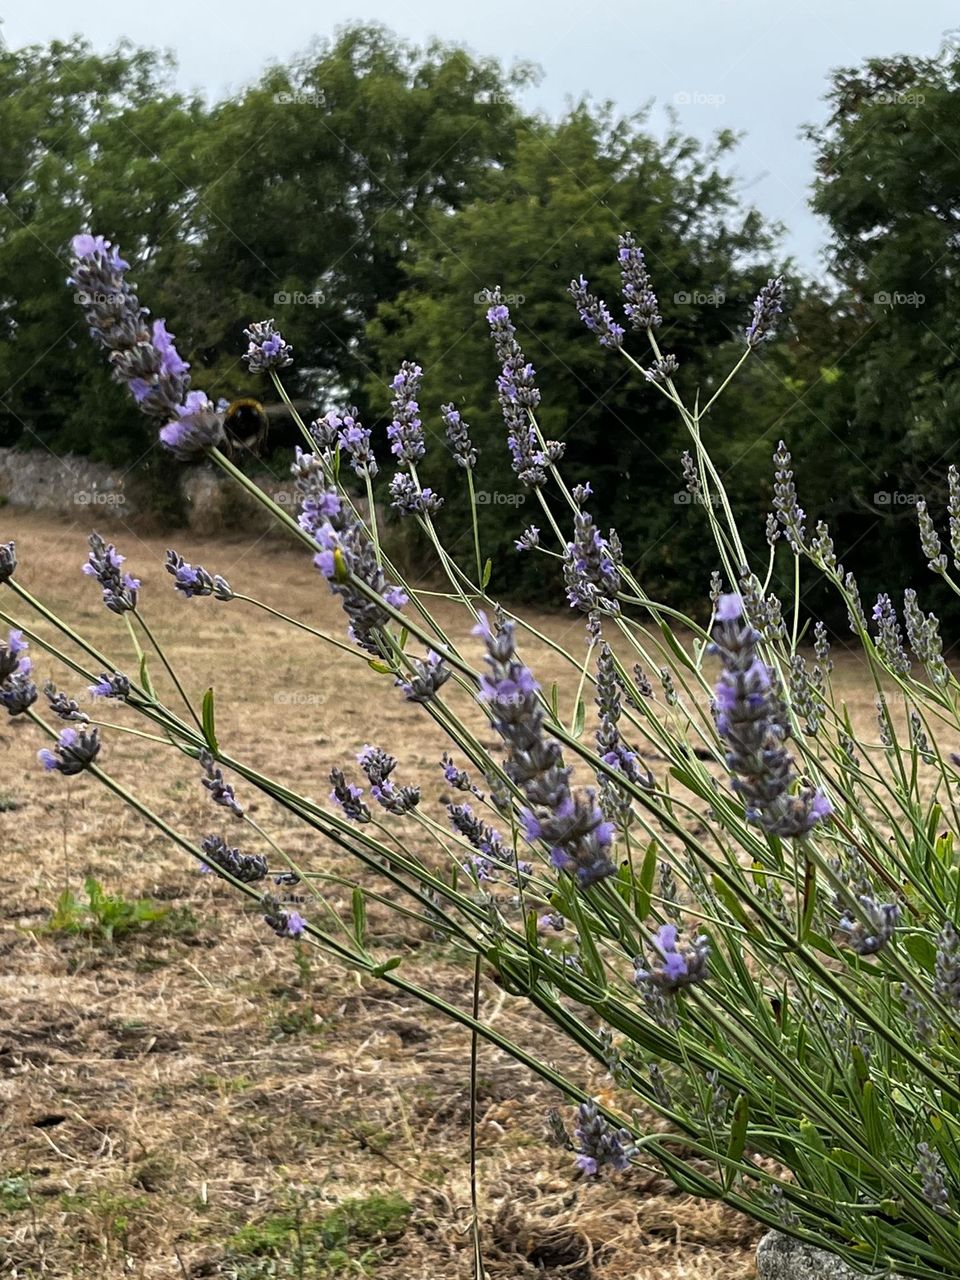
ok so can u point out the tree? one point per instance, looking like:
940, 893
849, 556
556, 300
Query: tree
882, 424
553, 214
82, 133
320, 177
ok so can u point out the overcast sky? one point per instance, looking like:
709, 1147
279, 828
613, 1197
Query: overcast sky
756, 66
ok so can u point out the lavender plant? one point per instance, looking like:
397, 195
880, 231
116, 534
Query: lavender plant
758, 902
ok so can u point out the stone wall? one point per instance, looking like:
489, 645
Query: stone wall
37, 479
71, 485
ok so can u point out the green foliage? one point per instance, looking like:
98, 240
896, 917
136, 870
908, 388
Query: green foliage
15, 1192
106, 918
551, 215
345, 1240
311, 182
877, 371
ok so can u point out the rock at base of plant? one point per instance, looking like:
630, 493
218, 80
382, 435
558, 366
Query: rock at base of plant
781, 1257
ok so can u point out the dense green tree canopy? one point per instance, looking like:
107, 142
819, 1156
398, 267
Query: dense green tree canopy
554, 214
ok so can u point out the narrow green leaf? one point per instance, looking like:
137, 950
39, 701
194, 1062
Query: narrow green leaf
644, 890
404, 637
145, 677
487, 573
809, 897
738, 1137
359, 917
579, 718
393, 963
208, 721
376, 665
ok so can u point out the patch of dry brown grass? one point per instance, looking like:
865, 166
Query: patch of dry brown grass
159, 1095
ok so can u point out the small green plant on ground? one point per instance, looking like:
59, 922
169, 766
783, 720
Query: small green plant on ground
349, 1239
107, 918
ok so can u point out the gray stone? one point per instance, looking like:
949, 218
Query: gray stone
781, 1257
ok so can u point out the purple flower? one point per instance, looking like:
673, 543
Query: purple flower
529, 539
142, 355
518, 396
596, 315
750, 717
458, 436
248, 868
74, 751
197, 427
572, 827
409, 499
111, 686
221, 792
348, 797
676, 968
405, 432
190, 581
600, 1145
767, 306
267, 349
283, 922
591, 567
346, 552
639, 301
104, 564
426, 679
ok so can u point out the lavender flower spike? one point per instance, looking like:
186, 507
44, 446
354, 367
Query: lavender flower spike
518, 395
600, 1145
354, 439
190, 581
284, 923
246, 867
142, 355
573, 828
17, 690
676, 969
427, 678
639, 300
119, 588
345, 550
767, 306
75, 750
750, 718
595, 314
8, 560
591, 567
220, 790
267, 349
405, 432
458, 436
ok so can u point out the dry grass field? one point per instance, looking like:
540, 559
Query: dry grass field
197, 1098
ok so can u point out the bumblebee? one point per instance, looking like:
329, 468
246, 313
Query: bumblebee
246, 423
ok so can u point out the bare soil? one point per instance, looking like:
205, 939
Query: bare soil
201, 1078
